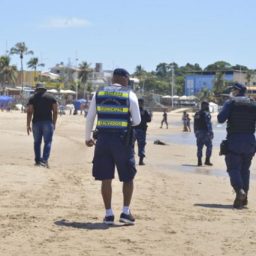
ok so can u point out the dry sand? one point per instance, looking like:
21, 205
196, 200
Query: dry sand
59, 211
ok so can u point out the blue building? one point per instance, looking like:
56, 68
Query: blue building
194, 83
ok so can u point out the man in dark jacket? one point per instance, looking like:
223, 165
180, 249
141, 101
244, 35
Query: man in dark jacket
203, 132
141, 130
43, 108
240, 114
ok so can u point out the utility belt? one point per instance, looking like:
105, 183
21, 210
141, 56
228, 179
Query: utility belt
125, 135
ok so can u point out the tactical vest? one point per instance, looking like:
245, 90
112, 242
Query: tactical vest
242, 118
199, 121
112, 107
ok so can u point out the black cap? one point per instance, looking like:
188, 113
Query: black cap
240, 87
40, 86
121, 72
205, 103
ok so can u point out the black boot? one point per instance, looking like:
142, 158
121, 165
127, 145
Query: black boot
199, 162
141, 161
207, 161
240, 200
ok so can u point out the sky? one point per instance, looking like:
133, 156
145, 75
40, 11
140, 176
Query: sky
122, 33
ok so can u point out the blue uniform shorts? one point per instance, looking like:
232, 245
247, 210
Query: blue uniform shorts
110, 152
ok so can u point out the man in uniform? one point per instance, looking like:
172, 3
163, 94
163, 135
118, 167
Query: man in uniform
117, 110
141, 131
240, 114
43, 108
203, 132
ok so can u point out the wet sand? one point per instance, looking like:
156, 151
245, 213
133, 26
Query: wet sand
180, 209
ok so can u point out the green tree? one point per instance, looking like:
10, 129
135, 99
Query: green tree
21, 50
190, 68
141, 74
162, 70
33, 63
219, 66
8, 73
83, 73
179, 85
238, 67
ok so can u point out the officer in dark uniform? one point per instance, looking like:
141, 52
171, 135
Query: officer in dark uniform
240, 114
141, 130
203, 132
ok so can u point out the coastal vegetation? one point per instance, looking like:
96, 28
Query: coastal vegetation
158, 81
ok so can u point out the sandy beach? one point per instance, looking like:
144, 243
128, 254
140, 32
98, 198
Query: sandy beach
59, 211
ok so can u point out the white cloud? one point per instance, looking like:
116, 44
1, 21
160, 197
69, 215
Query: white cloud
66, 23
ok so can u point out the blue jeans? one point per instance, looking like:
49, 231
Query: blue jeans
140, 136
42, 130
203, 139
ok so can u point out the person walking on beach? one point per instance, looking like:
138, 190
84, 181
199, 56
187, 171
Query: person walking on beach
117, 110
186, 122
203, 132
141, 131
43, 111
164, 120
240, 114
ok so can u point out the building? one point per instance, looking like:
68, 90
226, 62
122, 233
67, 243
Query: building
194, 83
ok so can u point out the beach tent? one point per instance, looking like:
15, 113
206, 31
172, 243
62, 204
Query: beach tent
5, 101
52, 91
67, 92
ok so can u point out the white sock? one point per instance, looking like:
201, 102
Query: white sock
109, 212
126, 210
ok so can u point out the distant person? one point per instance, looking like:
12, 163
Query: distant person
164, 120
204, 133
82, 108
62, 110
141, 131
186, 122
43, 111
117, 109
240, 114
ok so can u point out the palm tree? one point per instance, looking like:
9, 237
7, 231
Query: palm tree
33, 63
83, 73
141, 73
21, 50
8, 73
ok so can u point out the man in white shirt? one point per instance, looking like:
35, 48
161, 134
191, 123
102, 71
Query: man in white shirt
117, 109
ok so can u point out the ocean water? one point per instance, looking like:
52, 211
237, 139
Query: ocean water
188, 138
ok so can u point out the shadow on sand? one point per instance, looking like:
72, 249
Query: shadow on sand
190, 165
217, 206
87, 225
